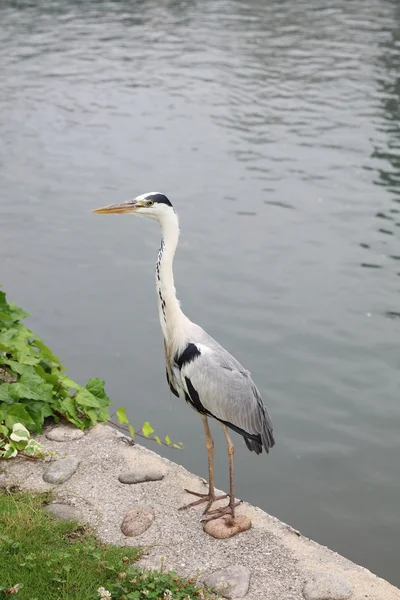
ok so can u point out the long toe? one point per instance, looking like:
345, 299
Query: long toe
220, 512
211, 502
209, 498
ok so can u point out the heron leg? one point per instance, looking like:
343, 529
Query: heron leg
210, 497
230, 509
231, 454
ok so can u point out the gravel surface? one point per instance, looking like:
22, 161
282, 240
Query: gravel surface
281, 562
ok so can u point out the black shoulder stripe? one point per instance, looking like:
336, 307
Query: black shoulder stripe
193, 398
190, 353
171, 387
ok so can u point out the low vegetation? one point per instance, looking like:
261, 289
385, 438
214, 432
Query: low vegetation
34, 386
41, 557
59, 560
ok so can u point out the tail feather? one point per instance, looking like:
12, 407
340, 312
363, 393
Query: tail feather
267, 436
265, 440
253, 445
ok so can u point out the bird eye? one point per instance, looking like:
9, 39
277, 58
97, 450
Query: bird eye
149, 203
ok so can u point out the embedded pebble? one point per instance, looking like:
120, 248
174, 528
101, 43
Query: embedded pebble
64, 433
61, 470
64, 512
153, 563
226, 527
140, 476
327, 586
232, 582
137, 521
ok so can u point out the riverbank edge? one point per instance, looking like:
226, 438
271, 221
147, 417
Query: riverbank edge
280, 563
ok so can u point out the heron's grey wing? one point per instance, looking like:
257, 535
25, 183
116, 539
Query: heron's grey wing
216, 384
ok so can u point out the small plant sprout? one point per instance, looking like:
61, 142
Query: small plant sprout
145, 431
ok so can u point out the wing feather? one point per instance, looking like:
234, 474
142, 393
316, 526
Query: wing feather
227, 392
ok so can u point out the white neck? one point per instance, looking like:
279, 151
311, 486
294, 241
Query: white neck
171, 316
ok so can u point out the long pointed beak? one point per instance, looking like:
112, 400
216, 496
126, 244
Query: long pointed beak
122, 208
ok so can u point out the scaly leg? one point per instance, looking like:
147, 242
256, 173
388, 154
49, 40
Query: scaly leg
210, 497
230, 509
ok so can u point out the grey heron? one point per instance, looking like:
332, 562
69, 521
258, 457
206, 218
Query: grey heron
198, 369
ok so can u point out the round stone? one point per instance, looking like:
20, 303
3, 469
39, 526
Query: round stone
327, 586
137, 521
232, 582
64, 512
141, 476
227, 526
61, 470
64, 433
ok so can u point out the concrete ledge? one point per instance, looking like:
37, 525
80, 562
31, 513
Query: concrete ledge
283, 564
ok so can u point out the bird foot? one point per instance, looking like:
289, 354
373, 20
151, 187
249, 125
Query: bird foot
220, 512
209, 498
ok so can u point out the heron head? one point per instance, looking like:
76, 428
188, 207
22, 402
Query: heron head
153, 205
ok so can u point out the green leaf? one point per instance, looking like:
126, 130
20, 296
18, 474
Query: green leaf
38, 411
32, 387
5, 319
19, 433
35, 449
69, 383
157, 439
26, 358
38, 389
168, 440
18, 391
68, 407
52, 378
96, 387
92, 414
45, 351
16, 366
16, 413
4, 431
85, 398
103, 414
121, 414
20, 445
132, 432
5, 393
9, 451
17, 312
3, 411
147, 429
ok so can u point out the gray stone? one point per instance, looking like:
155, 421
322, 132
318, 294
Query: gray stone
227, 526
64, 433
141, 475
327, 586
137, 521
61, 470
64, 512
232, 582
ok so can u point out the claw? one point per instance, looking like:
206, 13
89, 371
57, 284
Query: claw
209, 498
220, 512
